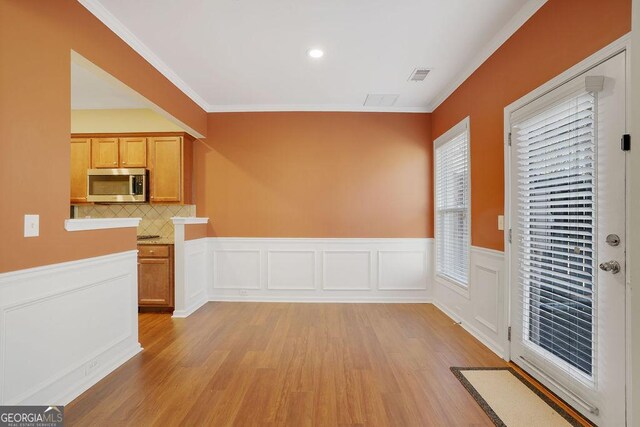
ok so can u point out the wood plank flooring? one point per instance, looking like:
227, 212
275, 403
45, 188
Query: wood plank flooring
292, 364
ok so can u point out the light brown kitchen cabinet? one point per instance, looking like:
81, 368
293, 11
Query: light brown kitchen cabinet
133, 152
155, 277
165, 169
167, 156
80, 162
104, 153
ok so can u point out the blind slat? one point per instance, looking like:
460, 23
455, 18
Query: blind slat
555, 169
452, 208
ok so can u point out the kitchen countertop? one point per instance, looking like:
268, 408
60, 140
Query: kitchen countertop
157, 241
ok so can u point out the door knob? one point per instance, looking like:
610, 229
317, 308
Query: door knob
612, 266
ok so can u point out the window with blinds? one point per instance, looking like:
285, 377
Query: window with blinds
452, 207
556, 165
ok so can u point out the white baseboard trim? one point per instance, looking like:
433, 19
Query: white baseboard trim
486, 341
481, 308
180, 314
325, 299
116, 362
82, 313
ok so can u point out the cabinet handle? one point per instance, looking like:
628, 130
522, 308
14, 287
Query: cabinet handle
150, 252
124, 163
115, 163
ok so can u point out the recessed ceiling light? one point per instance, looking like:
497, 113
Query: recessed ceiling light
315, 53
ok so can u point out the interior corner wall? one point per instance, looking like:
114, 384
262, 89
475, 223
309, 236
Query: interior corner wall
559, 35
316, 174
36, 41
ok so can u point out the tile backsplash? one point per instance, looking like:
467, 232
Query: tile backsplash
156, 219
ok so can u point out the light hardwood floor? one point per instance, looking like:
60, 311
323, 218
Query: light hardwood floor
292, 364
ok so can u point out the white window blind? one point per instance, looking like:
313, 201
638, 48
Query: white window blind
452, 205
555, 162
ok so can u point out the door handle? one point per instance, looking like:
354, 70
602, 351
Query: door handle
612, 266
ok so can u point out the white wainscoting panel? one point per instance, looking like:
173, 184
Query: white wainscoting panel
237, 269
340, 270
291, 270
66, 326
402, 270
481, 309
347, 270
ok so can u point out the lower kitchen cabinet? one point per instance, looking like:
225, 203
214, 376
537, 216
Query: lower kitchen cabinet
155, 277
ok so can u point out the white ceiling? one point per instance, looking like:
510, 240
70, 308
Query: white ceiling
250, 55
92, 90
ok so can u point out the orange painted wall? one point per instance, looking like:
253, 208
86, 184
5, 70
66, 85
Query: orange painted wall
195, 231
36, 39
313, 174
559, 35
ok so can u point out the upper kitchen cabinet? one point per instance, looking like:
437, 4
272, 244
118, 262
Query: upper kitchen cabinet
129, 152
169, 164
104, 153
133, 152
168, 157
80, 162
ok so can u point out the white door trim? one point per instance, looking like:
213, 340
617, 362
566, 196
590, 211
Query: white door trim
623, 44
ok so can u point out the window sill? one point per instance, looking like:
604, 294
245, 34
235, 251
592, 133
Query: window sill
456, 287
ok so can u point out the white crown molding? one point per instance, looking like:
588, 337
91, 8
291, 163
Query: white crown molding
83, 224
259, 108
115, 25
523, 15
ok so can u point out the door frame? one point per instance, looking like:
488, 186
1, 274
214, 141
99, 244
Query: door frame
623, 44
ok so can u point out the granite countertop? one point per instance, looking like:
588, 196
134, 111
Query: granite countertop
157, 241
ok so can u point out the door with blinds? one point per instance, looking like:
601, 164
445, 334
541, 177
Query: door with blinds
568, 241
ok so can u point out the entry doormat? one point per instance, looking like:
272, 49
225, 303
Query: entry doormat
510, 400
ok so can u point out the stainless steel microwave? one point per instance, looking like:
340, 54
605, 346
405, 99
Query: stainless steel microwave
117, 185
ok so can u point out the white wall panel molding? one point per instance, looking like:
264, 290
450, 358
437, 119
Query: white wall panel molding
402, 270
487, 296
237, 269
347, 270
336, 270
190, 268
293, 270
66, 326
192, 277
482, 311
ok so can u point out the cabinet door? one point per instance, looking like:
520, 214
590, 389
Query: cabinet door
104, 153
165, 169
154, 282
80, 163
133, 152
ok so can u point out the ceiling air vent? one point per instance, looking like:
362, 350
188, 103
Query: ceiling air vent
419, 74
375, 100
